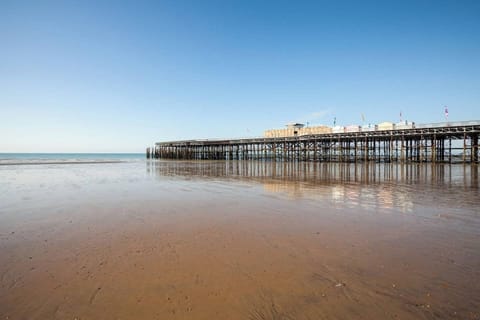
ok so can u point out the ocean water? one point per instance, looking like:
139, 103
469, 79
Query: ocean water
40, 158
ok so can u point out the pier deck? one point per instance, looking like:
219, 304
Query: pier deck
436, 142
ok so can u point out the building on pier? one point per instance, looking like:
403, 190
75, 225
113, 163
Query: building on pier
296, 129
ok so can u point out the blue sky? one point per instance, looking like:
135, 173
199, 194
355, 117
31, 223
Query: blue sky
100, 76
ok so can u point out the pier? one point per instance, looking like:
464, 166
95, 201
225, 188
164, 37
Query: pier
448, 142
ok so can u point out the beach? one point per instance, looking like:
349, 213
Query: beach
239, 240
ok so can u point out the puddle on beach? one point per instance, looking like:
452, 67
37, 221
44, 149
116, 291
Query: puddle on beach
239, 240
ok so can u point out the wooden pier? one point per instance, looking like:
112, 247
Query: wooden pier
439, 142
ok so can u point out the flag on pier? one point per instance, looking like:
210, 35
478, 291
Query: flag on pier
446, 112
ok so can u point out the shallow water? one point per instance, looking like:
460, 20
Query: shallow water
7, 159
239, 240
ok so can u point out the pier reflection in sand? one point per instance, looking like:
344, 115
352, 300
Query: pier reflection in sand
367, 185
239, 240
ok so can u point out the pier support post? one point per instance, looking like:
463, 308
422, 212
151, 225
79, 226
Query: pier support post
402, 151
365, 151
450, 149
474, 147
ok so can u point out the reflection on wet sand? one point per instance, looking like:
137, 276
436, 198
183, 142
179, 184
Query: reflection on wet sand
322, 173
239, 240
370, 185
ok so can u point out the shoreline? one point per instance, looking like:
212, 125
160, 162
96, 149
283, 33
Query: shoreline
60, 162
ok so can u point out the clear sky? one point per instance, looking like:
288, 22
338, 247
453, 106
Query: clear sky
116, 76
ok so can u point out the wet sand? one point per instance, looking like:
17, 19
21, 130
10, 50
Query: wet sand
217, 240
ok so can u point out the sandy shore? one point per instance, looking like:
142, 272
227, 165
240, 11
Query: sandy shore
134, 241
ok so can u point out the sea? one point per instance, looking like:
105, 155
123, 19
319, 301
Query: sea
39, 158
